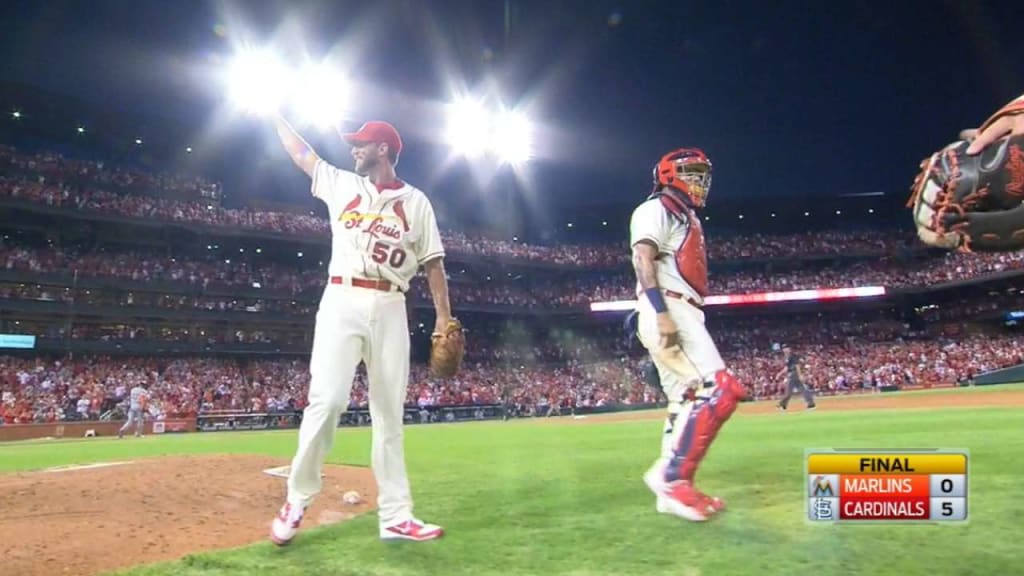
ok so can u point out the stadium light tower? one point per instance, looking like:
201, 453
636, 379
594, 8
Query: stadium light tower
467, 131
258, 82
320, 97
511, 137
474, 131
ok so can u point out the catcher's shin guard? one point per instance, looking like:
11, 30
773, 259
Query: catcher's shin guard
702, 425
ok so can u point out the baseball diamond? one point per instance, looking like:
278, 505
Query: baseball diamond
160, 512
515, 288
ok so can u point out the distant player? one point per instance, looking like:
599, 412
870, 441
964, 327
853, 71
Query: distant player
383, 230
671, 270
794, 380
138, 399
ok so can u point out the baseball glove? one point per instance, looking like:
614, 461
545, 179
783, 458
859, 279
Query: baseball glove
447, 349
971, 202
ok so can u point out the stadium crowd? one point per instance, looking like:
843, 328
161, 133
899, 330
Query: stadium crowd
43, 389
286, 281
540, 373
53, 167
150, 266
60, 182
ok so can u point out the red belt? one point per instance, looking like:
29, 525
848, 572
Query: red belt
679, 296
382, 285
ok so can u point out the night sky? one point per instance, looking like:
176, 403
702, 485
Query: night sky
806, 98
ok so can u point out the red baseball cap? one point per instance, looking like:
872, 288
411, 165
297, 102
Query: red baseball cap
376, 131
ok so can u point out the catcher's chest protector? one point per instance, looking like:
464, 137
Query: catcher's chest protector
691, 257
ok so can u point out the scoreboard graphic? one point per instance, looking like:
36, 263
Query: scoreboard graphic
864, 486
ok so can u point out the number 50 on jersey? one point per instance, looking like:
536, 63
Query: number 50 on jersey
886, 486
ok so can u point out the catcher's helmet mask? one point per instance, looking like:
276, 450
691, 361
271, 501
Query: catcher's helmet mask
687, 171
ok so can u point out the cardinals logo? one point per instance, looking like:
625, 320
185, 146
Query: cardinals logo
400, 212
381, 224
350, 216
378, 228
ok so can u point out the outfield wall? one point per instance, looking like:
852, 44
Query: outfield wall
237, 420
80, 429
1010, 375
229, 421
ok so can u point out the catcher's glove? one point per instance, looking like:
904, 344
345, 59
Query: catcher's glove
447, 349
971, 202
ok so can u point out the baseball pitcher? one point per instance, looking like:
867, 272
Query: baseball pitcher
794, 381
383, 229
137, 399
671, 270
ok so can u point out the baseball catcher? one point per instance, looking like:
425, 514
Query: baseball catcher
671, 270
968, 195
447, 349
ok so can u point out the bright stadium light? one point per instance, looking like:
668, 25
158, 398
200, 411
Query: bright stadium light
320, 97
257, 82
468, 128
511, 137
473, 131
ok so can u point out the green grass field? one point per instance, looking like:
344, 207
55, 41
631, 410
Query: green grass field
527, 498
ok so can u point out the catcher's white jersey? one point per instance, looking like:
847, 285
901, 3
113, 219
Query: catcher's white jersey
651, 221
377, 235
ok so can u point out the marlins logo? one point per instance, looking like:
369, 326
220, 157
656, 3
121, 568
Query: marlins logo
822, 487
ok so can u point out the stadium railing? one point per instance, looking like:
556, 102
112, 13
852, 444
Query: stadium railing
228, 420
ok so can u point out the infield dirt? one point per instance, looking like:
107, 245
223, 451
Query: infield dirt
89, 520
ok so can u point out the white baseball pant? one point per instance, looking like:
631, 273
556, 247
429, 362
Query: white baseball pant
706, 362
134, 417
354, 324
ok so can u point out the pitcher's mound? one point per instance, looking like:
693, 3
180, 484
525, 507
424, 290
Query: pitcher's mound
91, 519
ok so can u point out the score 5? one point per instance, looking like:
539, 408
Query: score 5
385, 253
948, 496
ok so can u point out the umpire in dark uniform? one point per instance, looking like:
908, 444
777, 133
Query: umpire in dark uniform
794, 380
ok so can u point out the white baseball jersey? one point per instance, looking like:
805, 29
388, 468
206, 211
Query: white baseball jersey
136, 396
379, 235
384, 234
652, 222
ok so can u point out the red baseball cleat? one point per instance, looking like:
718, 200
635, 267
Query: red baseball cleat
711, 503
411, 529
681, 499
286, 524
